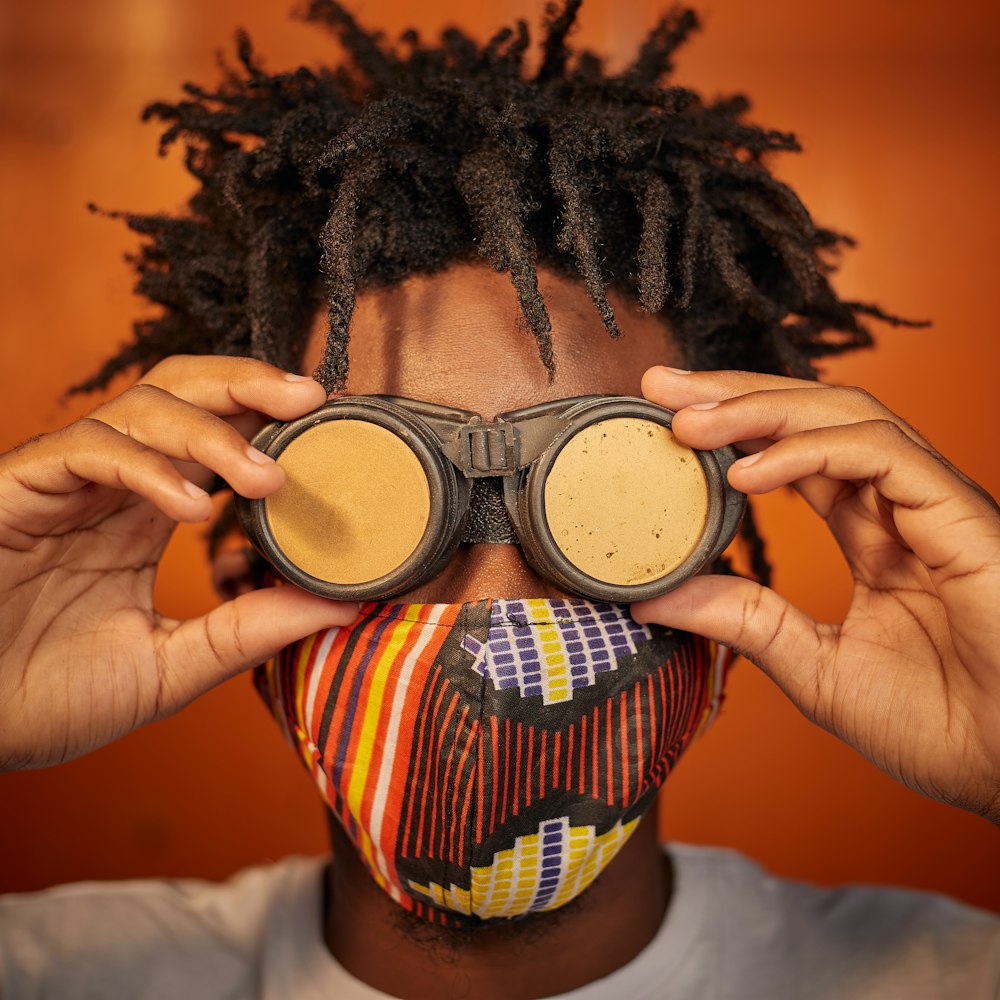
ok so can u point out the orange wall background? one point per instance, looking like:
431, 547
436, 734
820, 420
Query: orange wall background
895, 106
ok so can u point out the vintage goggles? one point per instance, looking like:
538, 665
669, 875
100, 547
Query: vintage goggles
380, 491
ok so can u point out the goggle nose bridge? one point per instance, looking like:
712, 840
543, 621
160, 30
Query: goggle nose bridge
492, 456
500, 447
485, 449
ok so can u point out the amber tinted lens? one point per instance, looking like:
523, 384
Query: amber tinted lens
625, 502
354, 505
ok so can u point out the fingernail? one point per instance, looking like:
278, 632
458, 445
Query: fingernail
193, 490
703, 406
258, 456
676, 371
292, 377
748, 460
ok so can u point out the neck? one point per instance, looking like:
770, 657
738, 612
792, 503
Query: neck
543, 955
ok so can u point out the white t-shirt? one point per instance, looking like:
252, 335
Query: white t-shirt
732, 931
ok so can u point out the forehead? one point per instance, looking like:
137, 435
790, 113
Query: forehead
459, 338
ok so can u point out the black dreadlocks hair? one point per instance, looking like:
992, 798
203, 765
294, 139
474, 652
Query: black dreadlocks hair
318, 183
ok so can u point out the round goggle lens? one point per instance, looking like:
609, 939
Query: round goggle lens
625, 502
354, 505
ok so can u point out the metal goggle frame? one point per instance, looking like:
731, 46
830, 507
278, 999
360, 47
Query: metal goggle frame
380, 491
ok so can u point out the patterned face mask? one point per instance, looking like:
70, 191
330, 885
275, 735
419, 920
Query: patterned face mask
488, 760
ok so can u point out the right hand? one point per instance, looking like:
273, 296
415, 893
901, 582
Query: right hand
85, 514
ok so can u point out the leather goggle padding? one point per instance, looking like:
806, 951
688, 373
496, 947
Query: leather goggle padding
489, 520
355, 502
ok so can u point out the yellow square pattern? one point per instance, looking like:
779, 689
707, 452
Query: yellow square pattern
554, 663
510, 886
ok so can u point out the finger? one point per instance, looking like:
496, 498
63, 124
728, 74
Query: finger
675, 388
231, 386
945, 522
188, 433
752, 621
203, 652
774, 414
89, 451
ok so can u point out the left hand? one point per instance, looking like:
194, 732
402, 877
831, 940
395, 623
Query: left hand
911, 677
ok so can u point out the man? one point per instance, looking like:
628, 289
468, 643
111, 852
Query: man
614, 205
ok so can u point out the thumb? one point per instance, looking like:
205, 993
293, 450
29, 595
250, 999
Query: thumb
752, 621
239, 634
